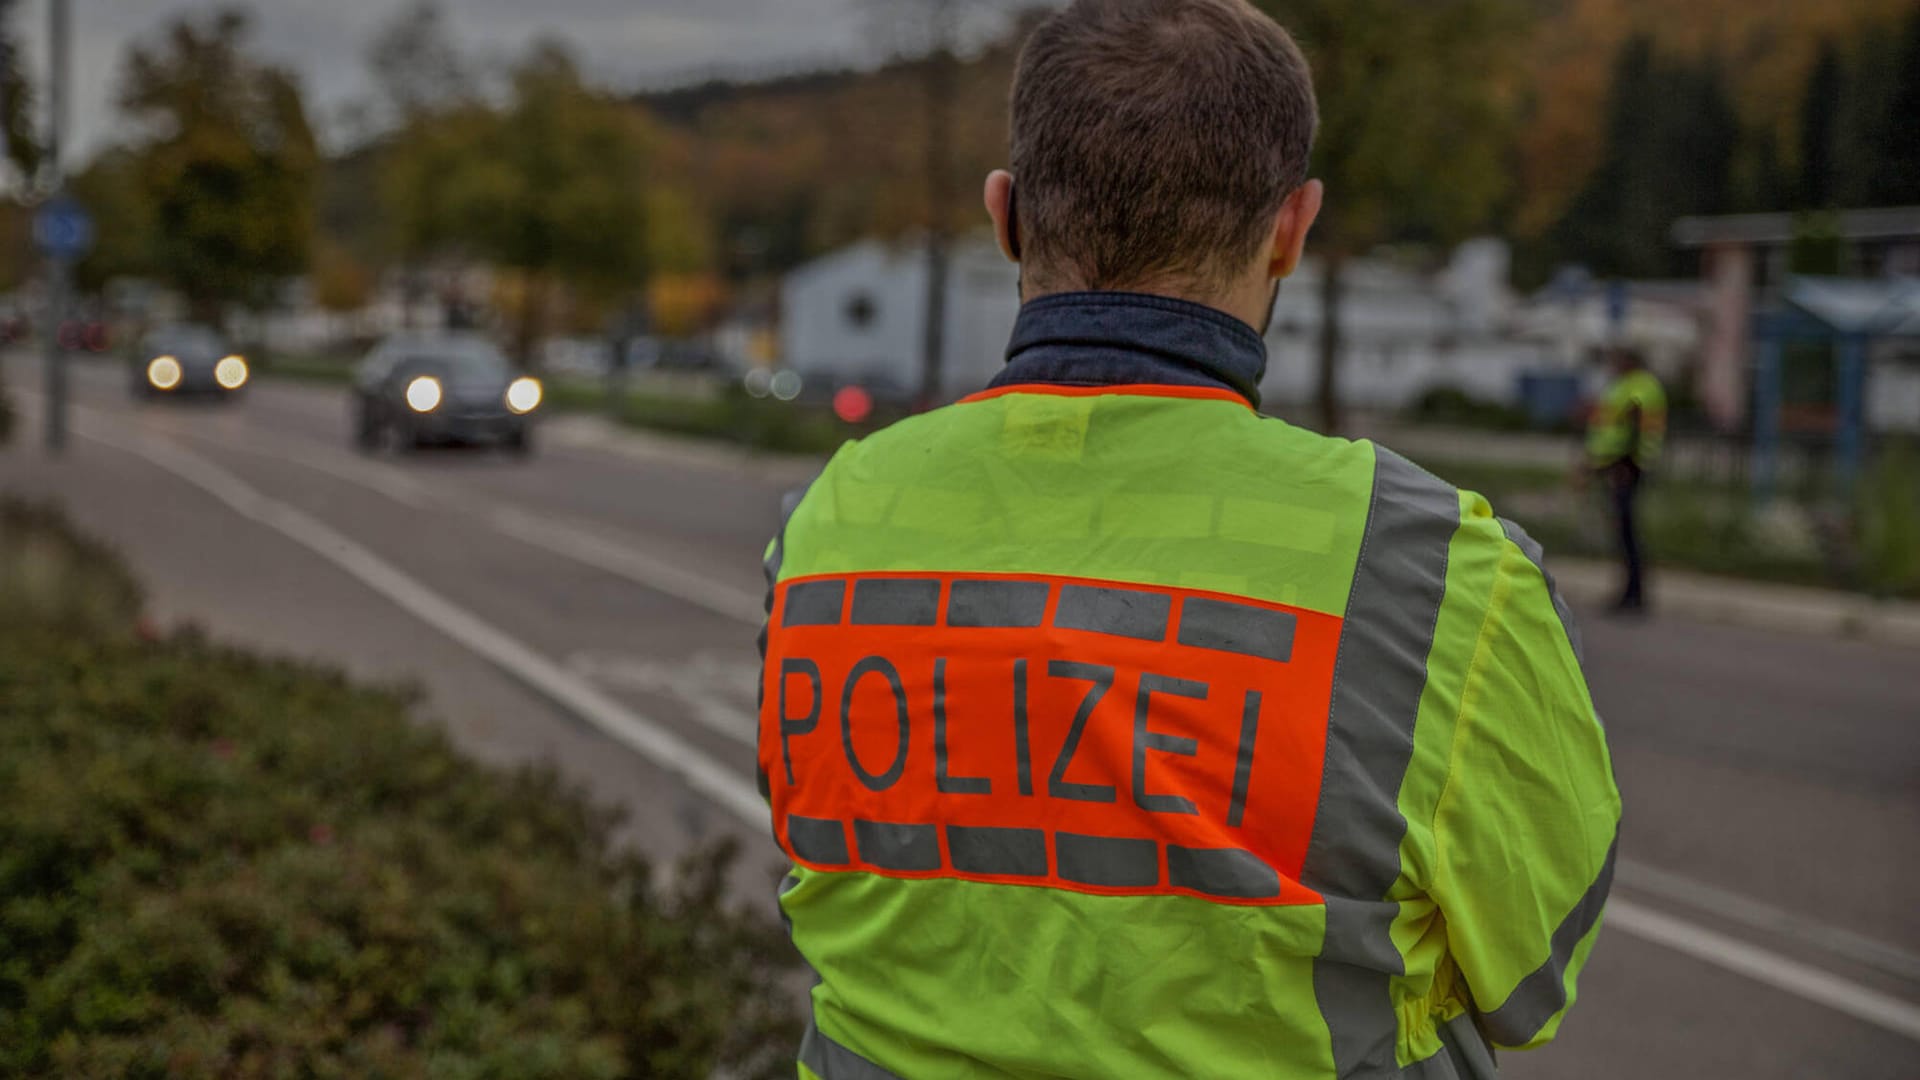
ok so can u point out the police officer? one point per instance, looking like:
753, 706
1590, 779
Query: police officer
1115, 730
1624, 438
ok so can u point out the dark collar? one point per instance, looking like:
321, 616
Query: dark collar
1118, 339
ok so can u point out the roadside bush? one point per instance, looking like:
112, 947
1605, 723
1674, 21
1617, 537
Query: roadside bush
52, 576
7, 415
1889, 521
213, 864
1455, 408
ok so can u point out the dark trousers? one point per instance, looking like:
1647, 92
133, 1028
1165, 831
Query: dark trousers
1623, 484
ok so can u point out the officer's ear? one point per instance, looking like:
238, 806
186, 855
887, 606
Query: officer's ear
1000, 207
1290, 229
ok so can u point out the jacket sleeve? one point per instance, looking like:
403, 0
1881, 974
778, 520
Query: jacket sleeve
771, 562
1525, 828
1652, 418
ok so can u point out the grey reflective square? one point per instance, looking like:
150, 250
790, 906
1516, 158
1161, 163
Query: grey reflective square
818, 840
1121, 612
895, 602
1107, 861
1006, 852
1237, 628
1224, 872
898, 847
814, 603
997, 603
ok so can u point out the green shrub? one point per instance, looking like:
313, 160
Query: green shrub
51, 575
1889, 521
217, 865
1456, 408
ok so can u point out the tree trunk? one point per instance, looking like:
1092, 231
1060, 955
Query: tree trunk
1332, 285
533, 318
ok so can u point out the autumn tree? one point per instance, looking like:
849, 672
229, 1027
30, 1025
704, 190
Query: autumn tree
551, 187
1417, 121
225, 165
430, 104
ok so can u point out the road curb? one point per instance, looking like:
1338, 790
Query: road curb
1789, 608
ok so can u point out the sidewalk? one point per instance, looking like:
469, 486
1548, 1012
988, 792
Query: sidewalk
1788, 608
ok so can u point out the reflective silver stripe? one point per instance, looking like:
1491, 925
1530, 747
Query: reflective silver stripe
828, 1060
895, 602
1237, 628
814, 603
1007, 852
1353, 858
818, 840
997, 603
906, 848
1538, 557
1464, 1055
1543, 993
1120, 612
1107, 861
1224, 872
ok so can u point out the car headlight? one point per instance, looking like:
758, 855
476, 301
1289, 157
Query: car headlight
523, 396
423, 394
163, 373
231, 373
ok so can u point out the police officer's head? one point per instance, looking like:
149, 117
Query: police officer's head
1159, 146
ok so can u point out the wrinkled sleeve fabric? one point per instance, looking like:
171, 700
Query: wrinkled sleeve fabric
1525, 830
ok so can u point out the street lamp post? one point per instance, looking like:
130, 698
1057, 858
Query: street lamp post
59, 264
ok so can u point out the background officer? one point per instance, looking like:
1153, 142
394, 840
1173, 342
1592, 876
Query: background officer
1624, 439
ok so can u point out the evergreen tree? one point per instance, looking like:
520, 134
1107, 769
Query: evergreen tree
1671, 140
1819, 113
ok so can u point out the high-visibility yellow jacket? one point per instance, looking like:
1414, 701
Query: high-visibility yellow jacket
1115, 730
1629, 422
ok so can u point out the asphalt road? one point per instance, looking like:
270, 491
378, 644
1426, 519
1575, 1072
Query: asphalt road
596, 606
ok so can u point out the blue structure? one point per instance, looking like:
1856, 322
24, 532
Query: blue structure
1846, 315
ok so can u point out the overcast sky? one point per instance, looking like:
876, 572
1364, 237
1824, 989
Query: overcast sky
625, 43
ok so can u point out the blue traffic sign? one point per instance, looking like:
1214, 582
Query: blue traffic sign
62, 228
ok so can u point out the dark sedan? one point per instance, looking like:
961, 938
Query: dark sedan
187, 360
417, 390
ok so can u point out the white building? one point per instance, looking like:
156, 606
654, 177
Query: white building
857, 315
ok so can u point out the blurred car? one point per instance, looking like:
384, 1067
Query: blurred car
187, 360
415, 390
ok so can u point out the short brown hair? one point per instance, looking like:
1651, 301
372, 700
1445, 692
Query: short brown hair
1154, 140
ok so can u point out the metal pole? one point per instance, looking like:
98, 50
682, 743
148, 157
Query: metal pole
940, 73
59, 269
1852, 402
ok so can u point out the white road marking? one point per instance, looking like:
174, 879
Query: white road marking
623, 560
694, 682
1801, 980
621, 557
1743, 910
719, 782
738, 795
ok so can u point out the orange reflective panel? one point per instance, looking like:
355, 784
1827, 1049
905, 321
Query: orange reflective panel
1086, 735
